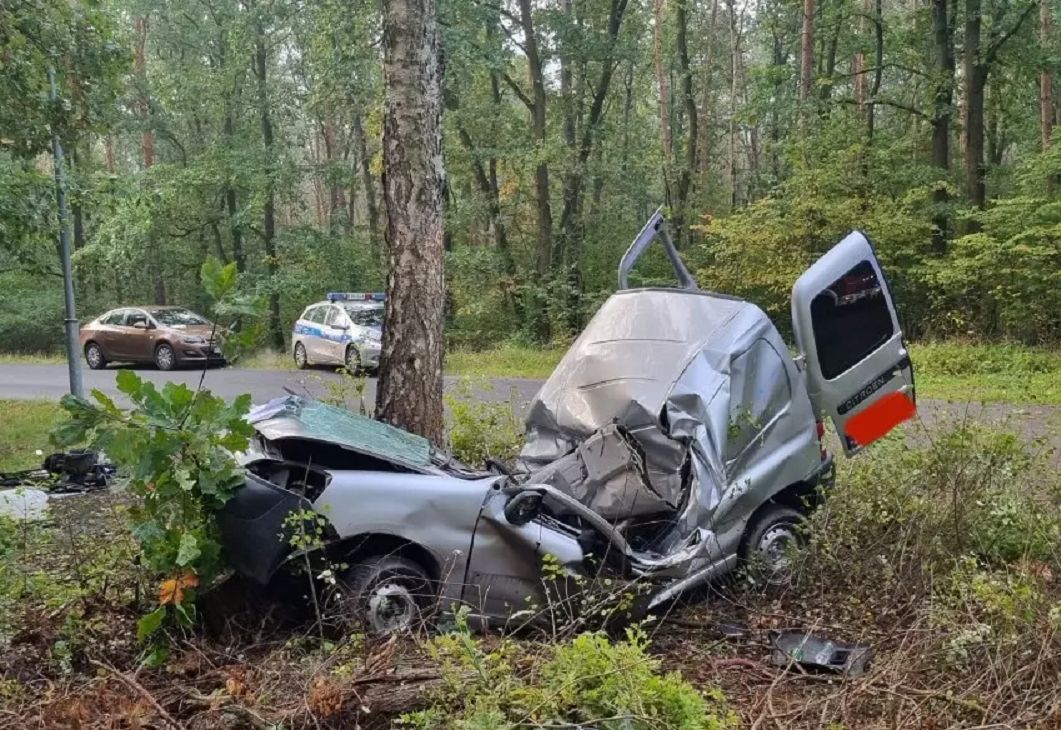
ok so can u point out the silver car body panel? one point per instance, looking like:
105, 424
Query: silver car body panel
713, 407
674, 417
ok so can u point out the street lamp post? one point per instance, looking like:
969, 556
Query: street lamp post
73, 354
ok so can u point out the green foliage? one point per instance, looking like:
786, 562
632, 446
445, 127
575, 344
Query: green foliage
589, 681
78, 41
758, 253
177, 448
902, 516
480, 429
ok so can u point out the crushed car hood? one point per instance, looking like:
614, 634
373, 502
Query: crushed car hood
670, 402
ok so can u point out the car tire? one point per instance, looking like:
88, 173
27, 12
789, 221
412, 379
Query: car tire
353, 360
301, 360
769, 537
165, 357
94, 356
386, 594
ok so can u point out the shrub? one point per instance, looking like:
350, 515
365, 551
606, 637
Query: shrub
589, 681
481, 429
906, 514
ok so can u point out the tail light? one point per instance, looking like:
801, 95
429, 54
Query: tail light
820, 425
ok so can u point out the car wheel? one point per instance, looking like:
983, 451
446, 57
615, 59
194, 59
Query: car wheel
94, 356
388, 594
353, 360
301, 361
165, 357
766, 548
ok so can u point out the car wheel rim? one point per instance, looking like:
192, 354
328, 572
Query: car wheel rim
165, 358
391, 607
352, 361
773, 548
300, 356
93, 356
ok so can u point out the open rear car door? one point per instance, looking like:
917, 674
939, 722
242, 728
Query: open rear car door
858, 369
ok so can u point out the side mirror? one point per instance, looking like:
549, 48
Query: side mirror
142, 325
341, 327
523, 507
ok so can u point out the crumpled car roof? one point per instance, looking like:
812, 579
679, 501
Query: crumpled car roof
295, 417
700, 381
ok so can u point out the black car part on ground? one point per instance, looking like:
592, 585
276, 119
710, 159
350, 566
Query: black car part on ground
77, 470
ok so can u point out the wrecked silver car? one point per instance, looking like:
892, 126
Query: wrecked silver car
677, 438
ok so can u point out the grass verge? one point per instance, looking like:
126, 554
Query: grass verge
996, 373
961, 371
23, 430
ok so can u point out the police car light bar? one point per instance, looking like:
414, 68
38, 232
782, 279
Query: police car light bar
347, 296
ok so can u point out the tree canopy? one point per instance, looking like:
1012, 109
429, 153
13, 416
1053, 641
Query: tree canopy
250, 130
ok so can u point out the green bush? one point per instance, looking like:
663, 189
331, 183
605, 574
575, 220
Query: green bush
481, 429
589, 681
903, 516
1001, 282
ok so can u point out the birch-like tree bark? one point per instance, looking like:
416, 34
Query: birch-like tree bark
410, 383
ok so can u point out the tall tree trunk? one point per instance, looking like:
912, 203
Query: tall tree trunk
663, 85
261, 58
108, 153
777, 63
571, 216
367, 180
147, 139
410, 383
734, 33
232, 207
858, 63
806, 61
147, 136
691, 114
878, 67
538, 131
571, 175
975, 77
1046, 82
943, 42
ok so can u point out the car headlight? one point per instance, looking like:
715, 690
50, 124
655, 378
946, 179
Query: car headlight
193, 340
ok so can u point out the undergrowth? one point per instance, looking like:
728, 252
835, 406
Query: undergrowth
589, 681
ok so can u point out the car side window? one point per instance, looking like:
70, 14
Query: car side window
850, 319
134, 318
313, 314
114, 318
330, 316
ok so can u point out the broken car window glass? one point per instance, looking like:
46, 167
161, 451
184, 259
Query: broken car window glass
850, 320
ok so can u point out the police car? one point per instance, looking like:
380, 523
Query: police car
343, 330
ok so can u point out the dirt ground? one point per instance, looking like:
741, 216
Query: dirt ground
73, 661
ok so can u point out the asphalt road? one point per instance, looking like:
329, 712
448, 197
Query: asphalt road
50, 382
17, 381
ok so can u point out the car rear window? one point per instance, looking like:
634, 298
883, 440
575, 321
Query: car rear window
173, 317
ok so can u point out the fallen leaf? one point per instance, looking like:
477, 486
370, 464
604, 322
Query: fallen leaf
172, 589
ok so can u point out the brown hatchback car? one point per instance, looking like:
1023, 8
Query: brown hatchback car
165, 336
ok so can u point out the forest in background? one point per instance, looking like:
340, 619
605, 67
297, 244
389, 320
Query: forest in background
249, 130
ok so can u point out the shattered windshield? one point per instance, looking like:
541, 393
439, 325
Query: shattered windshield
174, 317
366, 317
297, 417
